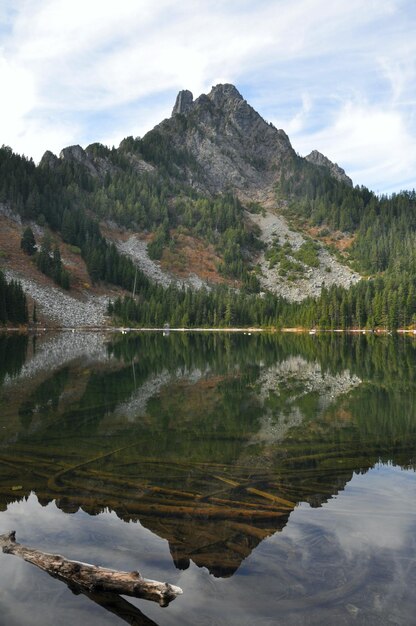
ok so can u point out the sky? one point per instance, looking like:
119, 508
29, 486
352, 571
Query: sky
339, 76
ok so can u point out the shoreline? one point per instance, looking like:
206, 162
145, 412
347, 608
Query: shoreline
245, 330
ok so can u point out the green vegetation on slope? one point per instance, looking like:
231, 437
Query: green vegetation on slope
13, 305
67, 197
382, 302
384, 228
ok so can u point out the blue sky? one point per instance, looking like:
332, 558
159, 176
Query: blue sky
336, 76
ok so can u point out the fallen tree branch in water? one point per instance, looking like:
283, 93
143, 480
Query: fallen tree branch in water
92, 577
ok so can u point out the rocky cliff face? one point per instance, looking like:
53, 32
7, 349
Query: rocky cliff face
234, 147
184, 102
94, 159
317, 158
228, 144
96, 166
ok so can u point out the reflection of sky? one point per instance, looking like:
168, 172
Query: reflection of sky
354, 557
103, 539
351, 561
366, 523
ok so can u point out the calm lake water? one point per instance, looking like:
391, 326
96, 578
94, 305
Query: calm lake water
272, 477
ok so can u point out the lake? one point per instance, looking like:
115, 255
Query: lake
270, 476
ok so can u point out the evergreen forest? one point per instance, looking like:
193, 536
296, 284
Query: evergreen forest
13, 305
71, 198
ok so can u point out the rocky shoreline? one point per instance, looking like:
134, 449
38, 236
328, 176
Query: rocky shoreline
59, 307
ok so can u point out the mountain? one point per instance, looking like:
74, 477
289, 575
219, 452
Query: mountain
220, 143
214, 197
245, 154
317, 158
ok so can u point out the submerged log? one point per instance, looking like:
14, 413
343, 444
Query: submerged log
92, 577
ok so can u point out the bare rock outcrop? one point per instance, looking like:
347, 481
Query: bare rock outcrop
49, 160
79, 155
60, 307
317, 158
184, 102
228, 144
329, 272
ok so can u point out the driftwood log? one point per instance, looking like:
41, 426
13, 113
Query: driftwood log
92, 578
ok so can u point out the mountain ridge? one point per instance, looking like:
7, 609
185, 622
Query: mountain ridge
245, 153
216, 176
317, 158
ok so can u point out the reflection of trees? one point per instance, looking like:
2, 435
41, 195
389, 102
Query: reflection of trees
370, 357
198, 464
45, 398
13, 350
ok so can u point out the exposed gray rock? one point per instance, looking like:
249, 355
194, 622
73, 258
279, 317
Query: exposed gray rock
136, 249
231, 145
223, 95
11, 215
140, 165
330, 271
136, 160
227, 146
317, 158
97, 165
73, 153
183, 104
61, 307
78, 154
49, 160
96, 161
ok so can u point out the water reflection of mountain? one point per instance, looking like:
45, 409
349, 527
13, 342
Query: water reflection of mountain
209, 441
23, 357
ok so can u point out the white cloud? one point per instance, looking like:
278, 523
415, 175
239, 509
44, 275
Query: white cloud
76, 61
372, 143
297, 123
18, 97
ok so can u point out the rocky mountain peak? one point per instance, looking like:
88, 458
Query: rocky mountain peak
184, 102
221, 96
224, 92
73, 153
95, 165
317, 158
232, 144
49, 160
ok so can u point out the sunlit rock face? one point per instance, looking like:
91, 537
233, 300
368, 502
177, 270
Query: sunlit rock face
230, 144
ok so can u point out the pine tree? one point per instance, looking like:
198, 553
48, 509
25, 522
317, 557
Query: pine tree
28, 242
